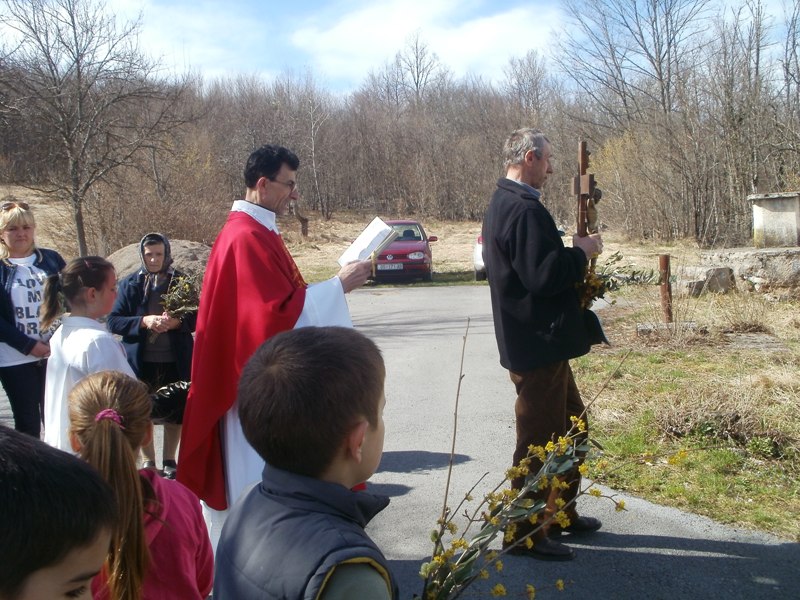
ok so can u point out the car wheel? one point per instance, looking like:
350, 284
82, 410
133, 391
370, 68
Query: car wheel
480, 275
428, 276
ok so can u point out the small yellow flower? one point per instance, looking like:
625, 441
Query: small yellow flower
543, 483
533, 519
460, 543
584, 469
560, 585
530, 592
550, 447
491, 555
620, 505
451, 527
677, 458
498, 590
528, 543
538, 452
562, 519
484, 574
495, 521
560, 502
579, 423
595, 492
439, 560
498, 565
511, 530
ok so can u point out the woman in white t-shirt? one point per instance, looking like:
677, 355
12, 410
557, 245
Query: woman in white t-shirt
23, 344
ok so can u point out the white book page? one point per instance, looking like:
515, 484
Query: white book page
374, 238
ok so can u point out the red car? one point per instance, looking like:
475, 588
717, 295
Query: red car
409, 256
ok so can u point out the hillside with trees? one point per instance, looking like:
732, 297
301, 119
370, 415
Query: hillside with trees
687, 105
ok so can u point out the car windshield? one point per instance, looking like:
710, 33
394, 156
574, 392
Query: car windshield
407, 232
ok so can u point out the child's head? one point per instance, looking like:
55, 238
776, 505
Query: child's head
303, 392
56, 518
107, 409
109, 420
88, 284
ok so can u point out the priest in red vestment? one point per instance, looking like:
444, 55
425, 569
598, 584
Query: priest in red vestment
252, 290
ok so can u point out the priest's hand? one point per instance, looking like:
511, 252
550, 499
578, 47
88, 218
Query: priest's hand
355, 274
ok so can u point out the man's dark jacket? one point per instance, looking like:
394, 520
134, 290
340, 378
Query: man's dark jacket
48, 261
125, 319
284, 537
532, 279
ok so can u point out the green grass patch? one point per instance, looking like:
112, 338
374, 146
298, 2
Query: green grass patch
695, 420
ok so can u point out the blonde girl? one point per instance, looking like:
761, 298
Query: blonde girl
81, 345
161, 547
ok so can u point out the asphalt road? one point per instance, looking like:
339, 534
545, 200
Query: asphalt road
647, 551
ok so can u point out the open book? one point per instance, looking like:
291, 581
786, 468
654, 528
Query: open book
374, 238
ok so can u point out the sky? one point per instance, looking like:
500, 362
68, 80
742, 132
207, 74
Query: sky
339, 41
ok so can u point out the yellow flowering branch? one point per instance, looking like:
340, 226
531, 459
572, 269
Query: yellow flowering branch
457, 561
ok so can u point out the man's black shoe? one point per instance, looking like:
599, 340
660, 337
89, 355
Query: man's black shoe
576, 527
544, 549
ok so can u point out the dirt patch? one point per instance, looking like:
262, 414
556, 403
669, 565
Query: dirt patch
755, 341
318, 252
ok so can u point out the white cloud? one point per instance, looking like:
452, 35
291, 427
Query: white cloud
484, 45
340, 40
347, 48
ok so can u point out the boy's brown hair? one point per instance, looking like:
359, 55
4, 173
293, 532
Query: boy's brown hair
303, 391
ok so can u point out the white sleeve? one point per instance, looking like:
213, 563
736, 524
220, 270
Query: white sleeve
325, 305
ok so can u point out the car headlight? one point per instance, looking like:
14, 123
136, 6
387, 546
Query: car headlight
416, 256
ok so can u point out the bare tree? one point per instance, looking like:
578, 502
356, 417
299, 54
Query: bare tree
88, 90
418, 68
526, 84
628, 54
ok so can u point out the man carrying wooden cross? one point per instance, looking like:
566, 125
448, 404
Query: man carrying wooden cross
538, 321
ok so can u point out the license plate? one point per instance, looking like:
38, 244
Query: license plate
391, 267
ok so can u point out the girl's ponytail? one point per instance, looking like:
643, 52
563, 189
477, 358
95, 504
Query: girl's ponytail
110, 418
51, 306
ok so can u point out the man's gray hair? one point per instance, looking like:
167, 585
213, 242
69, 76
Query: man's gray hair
520, 142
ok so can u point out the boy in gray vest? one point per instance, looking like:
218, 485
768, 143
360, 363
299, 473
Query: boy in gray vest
311, 404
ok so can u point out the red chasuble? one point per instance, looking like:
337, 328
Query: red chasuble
252, 290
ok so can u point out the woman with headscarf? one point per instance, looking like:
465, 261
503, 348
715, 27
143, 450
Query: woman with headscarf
23, 345
159, 346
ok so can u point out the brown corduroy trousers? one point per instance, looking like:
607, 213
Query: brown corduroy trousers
546, 399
